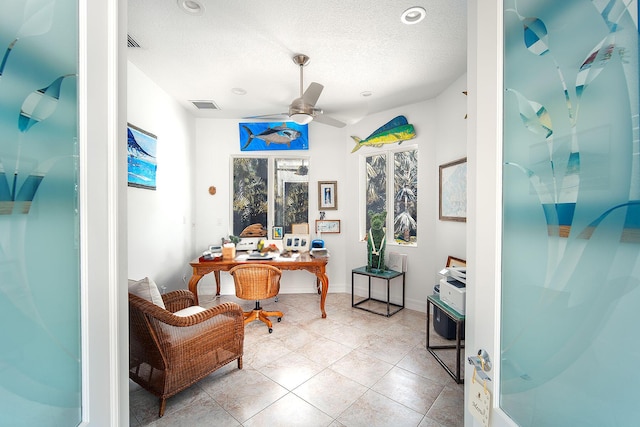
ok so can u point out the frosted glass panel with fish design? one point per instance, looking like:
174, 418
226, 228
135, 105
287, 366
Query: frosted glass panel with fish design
40, 299
571, 213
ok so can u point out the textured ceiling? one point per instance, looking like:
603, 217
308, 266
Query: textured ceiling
354, 46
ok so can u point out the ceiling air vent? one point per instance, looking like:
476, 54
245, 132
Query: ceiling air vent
131, 42
205, 105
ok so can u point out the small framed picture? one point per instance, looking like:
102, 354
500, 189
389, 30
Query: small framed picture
327, 226
276, 233
327, 195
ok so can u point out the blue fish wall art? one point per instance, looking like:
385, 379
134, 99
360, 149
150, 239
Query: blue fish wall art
263, 136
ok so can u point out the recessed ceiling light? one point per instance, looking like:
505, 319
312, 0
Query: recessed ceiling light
191, 7
239, 91
366, 93
413, 15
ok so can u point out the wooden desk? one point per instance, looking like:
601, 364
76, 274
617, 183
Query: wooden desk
305, 261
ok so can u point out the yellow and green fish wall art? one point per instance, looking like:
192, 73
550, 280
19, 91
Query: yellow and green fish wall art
396, 130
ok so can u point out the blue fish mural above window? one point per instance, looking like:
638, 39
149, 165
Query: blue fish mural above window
263, 136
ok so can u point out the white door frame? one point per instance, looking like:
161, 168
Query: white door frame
484, 219
103, 212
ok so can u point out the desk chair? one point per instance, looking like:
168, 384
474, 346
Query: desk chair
257, 282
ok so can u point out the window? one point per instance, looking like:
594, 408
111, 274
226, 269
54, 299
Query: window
393, 173
291, 192
269, 192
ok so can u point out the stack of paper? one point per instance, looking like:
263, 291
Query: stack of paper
458, 273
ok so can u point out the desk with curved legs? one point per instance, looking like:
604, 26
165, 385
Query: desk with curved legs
305, 261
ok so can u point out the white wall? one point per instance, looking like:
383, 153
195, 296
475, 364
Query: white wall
160, 237
451, 140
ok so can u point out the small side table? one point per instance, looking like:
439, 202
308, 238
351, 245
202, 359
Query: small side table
387, 275
459, 321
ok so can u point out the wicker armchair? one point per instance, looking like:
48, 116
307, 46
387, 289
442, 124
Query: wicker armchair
168, 353
257, 282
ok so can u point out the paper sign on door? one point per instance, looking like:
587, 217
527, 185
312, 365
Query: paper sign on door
480, 401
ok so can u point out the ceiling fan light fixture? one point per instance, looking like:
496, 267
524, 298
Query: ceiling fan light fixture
413, 15
301, 118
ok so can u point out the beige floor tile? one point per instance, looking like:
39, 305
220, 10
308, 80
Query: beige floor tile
412, 319
324, 351
409, 389
421, 362
290, 411
318, 325
293, 336
401, 332
146, 405
352, 337
376, 410
362, 368
448, 409
428, 422
291, 370
330, 392
243, 393
259, 352
205, 412
389, 349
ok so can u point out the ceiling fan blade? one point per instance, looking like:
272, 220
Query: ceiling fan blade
275, 116
311, 95
328, 120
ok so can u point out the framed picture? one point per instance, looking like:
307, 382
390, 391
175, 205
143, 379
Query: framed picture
276, 233
141, 159
455, 262
453, 191
327, 195
296, 242
327, 225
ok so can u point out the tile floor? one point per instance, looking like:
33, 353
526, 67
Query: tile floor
353, 368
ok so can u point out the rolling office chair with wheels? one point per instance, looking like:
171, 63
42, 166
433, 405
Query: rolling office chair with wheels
257, 282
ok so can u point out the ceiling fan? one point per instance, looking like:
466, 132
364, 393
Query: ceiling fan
303, 110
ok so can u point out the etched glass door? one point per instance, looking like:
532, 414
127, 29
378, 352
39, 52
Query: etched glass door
40, 354
571, 213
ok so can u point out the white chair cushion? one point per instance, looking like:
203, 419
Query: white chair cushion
185, 312
147, 289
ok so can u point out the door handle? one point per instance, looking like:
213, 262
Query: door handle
481, 363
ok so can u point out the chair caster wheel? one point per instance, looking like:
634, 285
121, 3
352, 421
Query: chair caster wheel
279, 319
270, 330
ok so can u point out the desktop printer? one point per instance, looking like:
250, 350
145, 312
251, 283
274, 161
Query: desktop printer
452, 293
